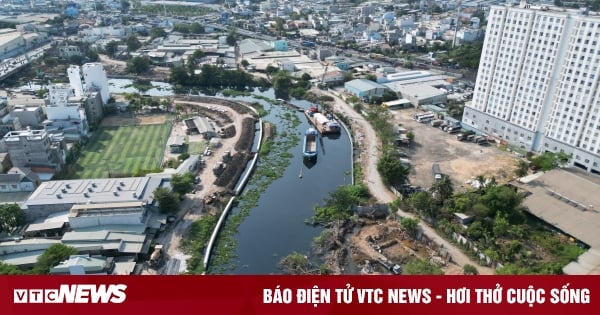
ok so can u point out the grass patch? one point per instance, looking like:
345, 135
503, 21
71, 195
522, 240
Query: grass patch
121, 151
196, 147
196, 242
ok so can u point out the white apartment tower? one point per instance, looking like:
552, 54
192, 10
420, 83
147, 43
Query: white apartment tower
537, 84
74, 74
94, 77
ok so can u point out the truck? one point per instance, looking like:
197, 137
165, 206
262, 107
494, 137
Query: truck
453, 129
463, 135
481, 140
156, 256
437, 172
436, 122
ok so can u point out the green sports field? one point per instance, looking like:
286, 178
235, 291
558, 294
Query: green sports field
122, 150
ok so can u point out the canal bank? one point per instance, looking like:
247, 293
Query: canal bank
271, 211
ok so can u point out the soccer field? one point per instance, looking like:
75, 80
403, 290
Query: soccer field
122, 150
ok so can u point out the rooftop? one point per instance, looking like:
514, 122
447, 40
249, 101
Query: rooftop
101, 190
364, 84
570, 202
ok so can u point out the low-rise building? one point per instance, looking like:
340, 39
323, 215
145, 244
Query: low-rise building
200, 125
28, 148
56, 196
29, 116
365, 89
19, 179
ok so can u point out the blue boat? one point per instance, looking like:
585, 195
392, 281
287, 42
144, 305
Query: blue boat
310, 143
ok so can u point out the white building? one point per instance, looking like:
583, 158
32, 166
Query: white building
63, 105
116, 213
74, 74
537, 84
95, 78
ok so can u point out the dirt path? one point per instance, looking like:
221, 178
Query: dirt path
192, 207
369, 155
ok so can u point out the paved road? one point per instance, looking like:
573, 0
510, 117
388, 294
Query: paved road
376, 186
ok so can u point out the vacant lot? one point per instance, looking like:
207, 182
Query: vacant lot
122, 150
462, 161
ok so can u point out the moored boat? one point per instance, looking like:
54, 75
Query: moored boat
325, 123
310, 143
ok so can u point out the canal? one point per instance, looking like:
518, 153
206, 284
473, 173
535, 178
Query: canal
276, 226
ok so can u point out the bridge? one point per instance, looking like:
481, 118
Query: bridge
11, 65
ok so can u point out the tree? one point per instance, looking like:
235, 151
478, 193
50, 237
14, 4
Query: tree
410, 225
138, 65
111, 48
470, 270
442, 189
282, 83
182, 184
11, 216
245, 63
196, 28
181, 28
179, 75
522, 168
52, 256
8, 269
231, 37
391, 170
168, 202
408, 65
371, 77
133, 43
125, 5
157, 32
425, 204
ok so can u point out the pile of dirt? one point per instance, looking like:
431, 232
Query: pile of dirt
239, 108
246, 136
233, 170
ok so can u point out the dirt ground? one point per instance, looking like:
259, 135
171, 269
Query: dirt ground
387, 241
128, 119
460, 160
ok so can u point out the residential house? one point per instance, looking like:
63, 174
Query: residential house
28, 116
29, 148
19, 179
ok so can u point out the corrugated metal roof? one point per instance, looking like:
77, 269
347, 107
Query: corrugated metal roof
364, 85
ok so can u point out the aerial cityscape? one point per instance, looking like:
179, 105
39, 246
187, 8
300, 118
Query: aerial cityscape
391, 137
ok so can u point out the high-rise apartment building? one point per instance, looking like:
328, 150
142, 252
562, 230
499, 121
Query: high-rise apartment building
537, 84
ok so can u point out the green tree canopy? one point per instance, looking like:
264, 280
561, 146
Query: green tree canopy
138, 65
196, 28
111, 48
182, 184
157, 32
52, 256
8, 269
410, 225
282, 83
168, 202
391, 170
133, 43
11, 216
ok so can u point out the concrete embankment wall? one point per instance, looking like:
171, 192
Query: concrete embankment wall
242, 183
237, 191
